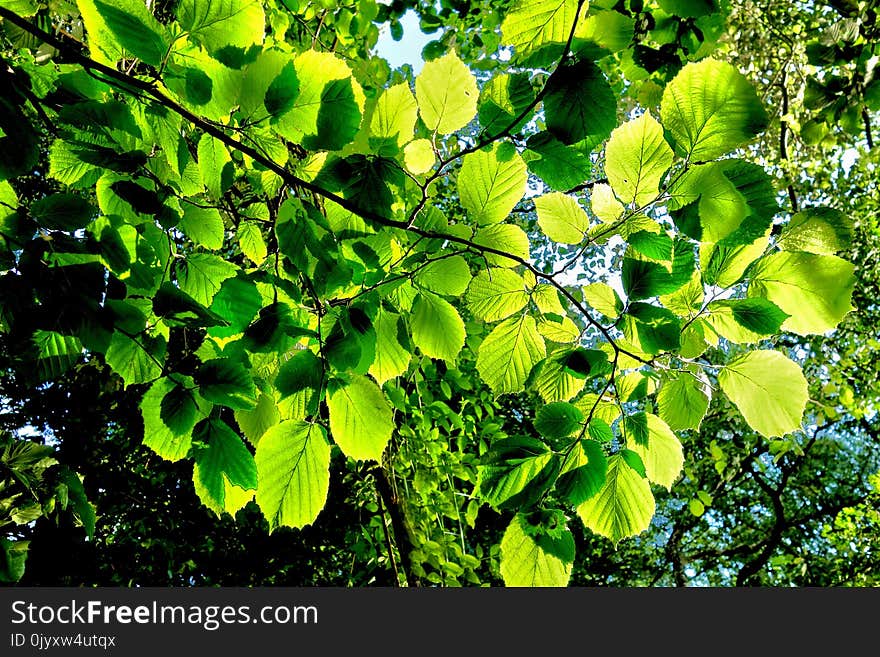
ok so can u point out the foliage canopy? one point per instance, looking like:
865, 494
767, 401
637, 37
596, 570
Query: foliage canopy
512, 284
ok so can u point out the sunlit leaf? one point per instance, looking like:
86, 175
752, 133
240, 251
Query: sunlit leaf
293, 461
532, 557
447, 94
768, 389
623, 507
709, 109
360, 419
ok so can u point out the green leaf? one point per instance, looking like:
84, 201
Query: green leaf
635, 385
579, 363
227, 382
134, 28
659, 449
695, 339
178, 410
496, 293
293, 462
823, 231
360, 419
215, 165
687, 301
158, 436
737, 202
67, 166
605, 205
682, 401
339, 115
204, 226
579, 104
177, 308
603, 298
507, 355
583, 471
26, 514
392, 359
271, 330
395, 115
251, 242
449, 276
8, 200
598, 428
225, 463
366, 181
201, 275
26, 8
284, 88
237, 302
194, 85
515, 472
546, 297
447, 94
531, 26
558, 420
644, 278
258, 420
502, 100
57, 353
689, 8
13, 556
62, 211
725, 265
814, 290
326, 114
302, 371
554, 381
709, 109
561, 218
561, 167
530, 557
437, 328
562, 330
491, 182
129, 199
506, 238
634, 461
136, 359
217, 25
636, 159
745, 321
418, 156
351, 342
212, 88
602, 32
653, 246
651, 329
623, 507
78, 502
768, 389
584, 363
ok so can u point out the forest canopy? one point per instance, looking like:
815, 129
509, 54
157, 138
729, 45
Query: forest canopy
585, 294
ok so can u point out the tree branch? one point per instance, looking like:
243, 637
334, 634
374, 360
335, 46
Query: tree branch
866, 119
751, 568
783, 127
398, 525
